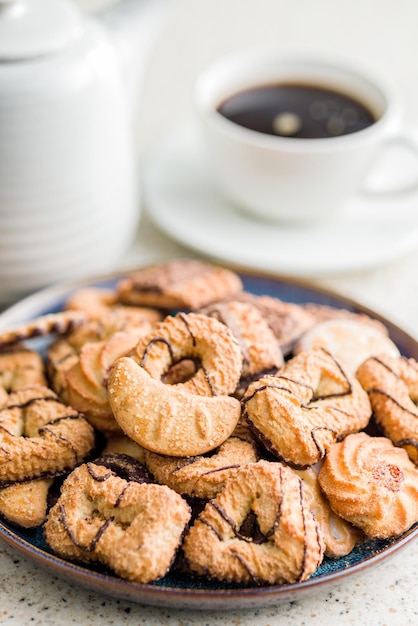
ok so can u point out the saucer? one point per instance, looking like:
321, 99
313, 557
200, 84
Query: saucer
182, 200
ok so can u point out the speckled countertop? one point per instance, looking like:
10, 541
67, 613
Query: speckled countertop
380, 596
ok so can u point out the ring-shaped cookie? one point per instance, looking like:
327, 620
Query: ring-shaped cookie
133, 528
392, 385
310, 404
197, 338
286, 544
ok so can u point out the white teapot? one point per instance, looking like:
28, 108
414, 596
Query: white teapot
69, 192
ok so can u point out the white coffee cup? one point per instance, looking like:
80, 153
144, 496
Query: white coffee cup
296, 180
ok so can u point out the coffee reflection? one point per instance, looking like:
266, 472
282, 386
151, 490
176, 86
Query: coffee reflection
297, 110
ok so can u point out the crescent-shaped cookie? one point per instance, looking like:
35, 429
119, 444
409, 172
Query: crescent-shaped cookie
165, 419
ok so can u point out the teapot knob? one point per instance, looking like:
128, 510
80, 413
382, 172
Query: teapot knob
30, 28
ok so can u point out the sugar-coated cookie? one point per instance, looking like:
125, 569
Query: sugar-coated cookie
260, 349
259, 529
308, 405
372, 484
133, 528
202, 476
178, 284
40, 436
392, 385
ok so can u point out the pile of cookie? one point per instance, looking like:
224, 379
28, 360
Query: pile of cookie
179, 421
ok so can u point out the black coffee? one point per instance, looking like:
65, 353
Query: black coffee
296, 110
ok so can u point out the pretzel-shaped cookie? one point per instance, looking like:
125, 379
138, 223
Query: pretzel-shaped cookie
310, 404
286, 545
392, 385
133, 528
40, 436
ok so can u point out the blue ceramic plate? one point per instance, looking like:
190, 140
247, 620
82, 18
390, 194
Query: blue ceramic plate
179, 590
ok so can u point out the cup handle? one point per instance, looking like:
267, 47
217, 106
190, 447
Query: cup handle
405, 143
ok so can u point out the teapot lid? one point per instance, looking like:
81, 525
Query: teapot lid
31, 28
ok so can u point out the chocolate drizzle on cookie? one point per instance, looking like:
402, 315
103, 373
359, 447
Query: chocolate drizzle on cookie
60, 438
30, 401
253, 577
199, 364
211, 526
194, 361
402, 443
319, 447
249, 530
53, 323
156, 340
219, 469
98, 477
124, 466
246, 399
221, 312
93, 543
375, 390
385, 365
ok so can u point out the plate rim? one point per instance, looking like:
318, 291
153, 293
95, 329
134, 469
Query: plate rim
194, 598
191, 598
